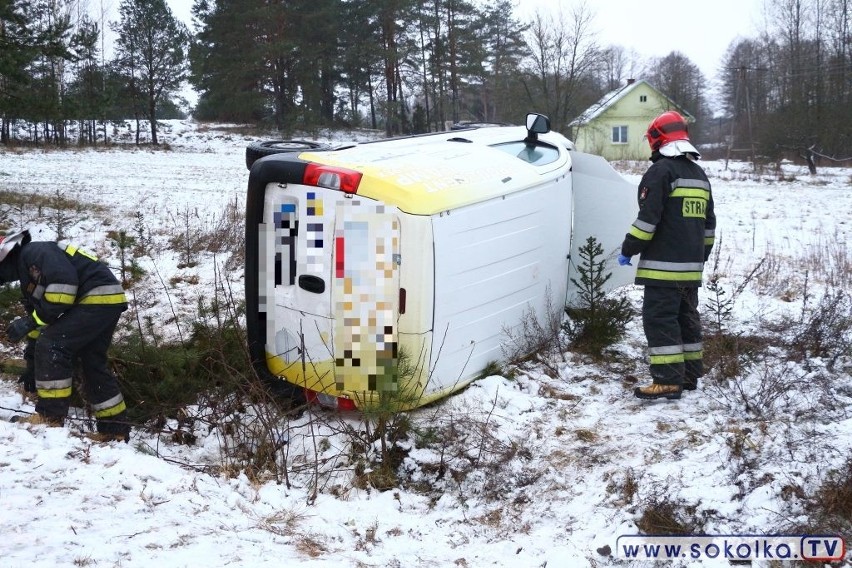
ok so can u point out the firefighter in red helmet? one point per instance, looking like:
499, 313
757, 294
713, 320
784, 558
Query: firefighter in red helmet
673, 235
75, 303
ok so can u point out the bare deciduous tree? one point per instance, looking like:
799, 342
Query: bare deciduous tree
563, 54
682, 81
789, 92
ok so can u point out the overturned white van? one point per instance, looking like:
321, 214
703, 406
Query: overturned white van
393, 270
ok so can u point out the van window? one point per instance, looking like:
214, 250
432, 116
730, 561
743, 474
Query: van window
537, 154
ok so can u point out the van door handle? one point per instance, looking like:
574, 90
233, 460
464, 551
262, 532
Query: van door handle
311, 283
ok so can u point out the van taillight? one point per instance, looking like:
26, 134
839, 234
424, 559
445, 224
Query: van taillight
332, 177
327, 401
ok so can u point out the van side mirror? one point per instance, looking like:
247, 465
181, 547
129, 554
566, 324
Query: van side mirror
537, 124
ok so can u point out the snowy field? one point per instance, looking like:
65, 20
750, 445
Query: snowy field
544, 470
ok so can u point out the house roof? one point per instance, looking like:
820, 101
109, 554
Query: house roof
612, 97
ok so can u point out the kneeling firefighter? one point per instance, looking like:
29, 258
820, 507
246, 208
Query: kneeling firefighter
76, 303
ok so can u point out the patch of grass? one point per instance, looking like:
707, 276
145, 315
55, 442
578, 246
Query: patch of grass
831, 506
424, 436
729, 355
824, 331
11, 302
586, 436
626, 486
664, 516
537, 342
15, 199
490, 369
283, 523
181, 279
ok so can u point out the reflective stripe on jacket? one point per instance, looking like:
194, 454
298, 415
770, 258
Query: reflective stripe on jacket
675, 228
53, 279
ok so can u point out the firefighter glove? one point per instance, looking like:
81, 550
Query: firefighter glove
19, 328
624, 260
27, 380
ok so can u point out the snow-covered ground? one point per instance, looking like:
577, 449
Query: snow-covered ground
532, 470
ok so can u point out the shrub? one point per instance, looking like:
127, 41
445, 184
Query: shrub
824, 331
832, 504
159, 381
730, 355
663, 516
595, 320
129, 268
828, 507
386, 426
537, 341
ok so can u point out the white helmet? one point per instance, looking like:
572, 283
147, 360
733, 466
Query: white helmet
10, 241
678, 148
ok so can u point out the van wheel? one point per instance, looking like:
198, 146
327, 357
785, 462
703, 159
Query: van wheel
257, 150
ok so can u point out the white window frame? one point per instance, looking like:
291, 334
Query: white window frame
619, 134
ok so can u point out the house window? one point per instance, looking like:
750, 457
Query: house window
643, 98
619, 135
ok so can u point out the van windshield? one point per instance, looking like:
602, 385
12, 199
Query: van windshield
537, 154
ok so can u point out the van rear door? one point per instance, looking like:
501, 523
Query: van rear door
295, 256
604, 208
366, 295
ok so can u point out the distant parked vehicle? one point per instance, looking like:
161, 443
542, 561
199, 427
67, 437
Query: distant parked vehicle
392, 270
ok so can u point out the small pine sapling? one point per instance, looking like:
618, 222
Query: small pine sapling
596, 321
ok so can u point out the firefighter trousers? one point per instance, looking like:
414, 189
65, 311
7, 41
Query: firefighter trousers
82, 334
673, 330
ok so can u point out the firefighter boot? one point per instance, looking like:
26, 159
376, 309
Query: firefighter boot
36, 419
108, 437
114, 429
656, 390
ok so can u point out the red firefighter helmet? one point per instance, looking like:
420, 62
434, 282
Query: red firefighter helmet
667, 127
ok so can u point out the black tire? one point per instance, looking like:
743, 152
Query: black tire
257, 150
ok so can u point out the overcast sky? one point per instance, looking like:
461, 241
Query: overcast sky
702, 31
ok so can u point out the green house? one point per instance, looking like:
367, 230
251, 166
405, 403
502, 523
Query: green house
614, 127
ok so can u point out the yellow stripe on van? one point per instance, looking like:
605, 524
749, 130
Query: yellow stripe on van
437, 179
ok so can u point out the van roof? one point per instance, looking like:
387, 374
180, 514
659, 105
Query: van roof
431, 173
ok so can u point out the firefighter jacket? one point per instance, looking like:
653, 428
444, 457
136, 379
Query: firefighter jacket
55, 278
675, 228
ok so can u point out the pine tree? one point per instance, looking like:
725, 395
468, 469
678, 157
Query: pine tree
32, 53
595, 320
151, 46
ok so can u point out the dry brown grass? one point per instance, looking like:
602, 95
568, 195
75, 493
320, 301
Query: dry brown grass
728, 355
626, 486
662, 516
831, 505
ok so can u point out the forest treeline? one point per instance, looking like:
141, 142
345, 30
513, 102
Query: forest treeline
408, 66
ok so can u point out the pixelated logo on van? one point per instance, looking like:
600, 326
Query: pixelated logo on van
314, 235
366, 293
286, 220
